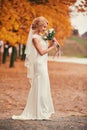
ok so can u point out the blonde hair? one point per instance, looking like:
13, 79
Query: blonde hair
37, 22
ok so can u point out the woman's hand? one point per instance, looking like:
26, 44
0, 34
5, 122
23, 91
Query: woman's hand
54, 40
52, 45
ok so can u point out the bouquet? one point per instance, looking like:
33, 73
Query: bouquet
49, 35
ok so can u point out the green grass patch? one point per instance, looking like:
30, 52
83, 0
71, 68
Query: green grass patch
79, 40
74, 46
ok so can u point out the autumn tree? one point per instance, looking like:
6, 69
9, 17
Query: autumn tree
17, 15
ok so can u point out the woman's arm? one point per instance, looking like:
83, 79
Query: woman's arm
39, 49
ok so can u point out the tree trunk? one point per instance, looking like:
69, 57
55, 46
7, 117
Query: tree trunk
5, 53
23, 54
19, 54
13, 56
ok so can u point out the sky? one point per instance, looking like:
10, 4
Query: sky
79, 20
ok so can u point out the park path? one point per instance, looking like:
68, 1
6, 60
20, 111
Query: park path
69, 93
68, 59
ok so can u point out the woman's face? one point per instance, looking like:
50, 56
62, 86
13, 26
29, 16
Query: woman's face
42, 28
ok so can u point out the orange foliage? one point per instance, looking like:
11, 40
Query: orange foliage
17, 15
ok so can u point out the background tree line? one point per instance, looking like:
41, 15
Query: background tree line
16, 17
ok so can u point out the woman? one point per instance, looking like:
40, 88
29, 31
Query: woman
39, 104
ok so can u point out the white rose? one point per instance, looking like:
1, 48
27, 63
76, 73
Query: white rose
51, 30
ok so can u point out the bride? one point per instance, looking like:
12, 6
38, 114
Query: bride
39, 103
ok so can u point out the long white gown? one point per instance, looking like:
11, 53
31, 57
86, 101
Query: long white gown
39, 103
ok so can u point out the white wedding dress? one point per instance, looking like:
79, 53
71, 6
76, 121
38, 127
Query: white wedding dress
39, 103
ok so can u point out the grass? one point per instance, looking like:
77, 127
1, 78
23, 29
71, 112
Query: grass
79, 40
75, 46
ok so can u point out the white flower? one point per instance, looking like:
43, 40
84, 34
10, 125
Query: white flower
51, 30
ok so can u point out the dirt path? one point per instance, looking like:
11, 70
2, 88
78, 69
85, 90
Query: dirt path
68, 60
68, 86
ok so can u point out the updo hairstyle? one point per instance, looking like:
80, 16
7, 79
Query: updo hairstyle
39, 21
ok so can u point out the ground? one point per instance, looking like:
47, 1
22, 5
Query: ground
69, 92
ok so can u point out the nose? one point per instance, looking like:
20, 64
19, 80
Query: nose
44, 29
